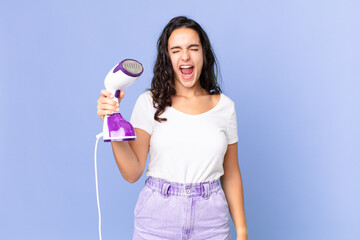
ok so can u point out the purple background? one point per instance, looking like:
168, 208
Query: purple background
292, 68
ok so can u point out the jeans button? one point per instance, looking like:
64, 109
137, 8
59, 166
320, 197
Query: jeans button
188, 191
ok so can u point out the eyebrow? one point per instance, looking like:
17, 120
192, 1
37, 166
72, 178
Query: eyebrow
190, 46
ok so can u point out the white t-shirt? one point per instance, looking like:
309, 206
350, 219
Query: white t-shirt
187, 148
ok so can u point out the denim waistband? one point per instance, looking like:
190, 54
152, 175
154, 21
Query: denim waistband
165, 188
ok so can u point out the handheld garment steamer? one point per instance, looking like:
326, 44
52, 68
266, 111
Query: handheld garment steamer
115, 127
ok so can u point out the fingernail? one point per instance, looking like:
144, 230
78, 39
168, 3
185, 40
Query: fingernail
117, 104
117, 109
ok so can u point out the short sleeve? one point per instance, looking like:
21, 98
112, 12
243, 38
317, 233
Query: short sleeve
143, 113
231, 130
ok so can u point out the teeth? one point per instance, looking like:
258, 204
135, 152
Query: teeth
185, 66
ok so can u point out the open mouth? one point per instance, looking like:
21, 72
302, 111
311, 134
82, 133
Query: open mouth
186, 71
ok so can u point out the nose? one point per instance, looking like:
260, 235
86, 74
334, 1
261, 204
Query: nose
185, 55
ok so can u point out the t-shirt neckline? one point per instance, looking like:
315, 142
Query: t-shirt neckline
200, 114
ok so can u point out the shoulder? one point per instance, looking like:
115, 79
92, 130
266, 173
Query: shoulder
227, 101
145, 98
226, 106
145, 102
146, 95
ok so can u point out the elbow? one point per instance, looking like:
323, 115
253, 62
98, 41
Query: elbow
131, 179
131, 175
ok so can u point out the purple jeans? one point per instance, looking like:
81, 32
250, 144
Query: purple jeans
167, 210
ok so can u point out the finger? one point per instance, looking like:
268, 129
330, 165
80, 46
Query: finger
108, 101
108, 107
103, 113
106, 93
122, 94
108, 104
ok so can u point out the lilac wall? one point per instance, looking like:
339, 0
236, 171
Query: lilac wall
292, 67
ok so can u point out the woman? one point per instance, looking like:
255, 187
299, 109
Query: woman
188, 127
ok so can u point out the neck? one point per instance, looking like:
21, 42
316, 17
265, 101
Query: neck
193, 91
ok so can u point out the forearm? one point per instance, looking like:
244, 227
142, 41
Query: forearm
130, 156
130, 167
233, 190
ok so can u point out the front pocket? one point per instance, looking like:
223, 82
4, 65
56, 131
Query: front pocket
144, 196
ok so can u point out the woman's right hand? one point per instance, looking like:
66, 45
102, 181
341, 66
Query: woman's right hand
106, 105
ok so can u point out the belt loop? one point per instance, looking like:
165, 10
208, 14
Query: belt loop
165, 189
206, 192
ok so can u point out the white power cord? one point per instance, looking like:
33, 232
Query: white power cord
96, 183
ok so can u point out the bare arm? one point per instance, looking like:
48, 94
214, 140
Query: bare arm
233, 189
130, 156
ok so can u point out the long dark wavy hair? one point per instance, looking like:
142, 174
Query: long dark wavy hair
162, 85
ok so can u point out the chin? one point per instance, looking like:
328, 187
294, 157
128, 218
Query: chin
187, 83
